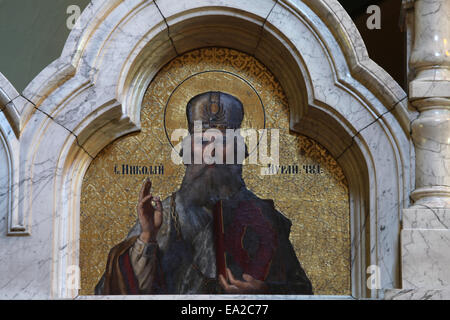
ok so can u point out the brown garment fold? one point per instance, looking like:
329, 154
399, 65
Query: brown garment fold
114, 282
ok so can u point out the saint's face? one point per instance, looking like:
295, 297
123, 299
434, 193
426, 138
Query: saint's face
212, 148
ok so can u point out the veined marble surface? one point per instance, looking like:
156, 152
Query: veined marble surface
92, 94
418, 294
430, 94
426, 248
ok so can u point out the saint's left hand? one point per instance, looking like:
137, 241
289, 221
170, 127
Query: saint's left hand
250, 285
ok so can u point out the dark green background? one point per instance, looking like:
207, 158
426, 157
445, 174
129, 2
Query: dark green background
33, 33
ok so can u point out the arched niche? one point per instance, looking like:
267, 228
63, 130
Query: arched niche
311, 190
92, 94
9, 131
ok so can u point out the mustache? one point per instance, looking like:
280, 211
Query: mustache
200, 169
205, 185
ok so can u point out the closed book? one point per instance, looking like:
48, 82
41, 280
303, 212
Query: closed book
245, 237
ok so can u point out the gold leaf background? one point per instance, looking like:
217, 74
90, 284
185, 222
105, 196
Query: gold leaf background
317, 204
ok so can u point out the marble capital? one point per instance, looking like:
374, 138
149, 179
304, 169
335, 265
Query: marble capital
430, 57
431, 53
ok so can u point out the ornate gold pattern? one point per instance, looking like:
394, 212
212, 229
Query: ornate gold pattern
317, 204
226, 82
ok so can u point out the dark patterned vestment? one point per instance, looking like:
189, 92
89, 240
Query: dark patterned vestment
183, 261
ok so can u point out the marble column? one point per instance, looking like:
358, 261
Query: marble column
430, 95
425, 235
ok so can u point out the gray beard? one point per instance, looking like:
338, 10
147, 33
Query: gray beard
203, 186
200, 190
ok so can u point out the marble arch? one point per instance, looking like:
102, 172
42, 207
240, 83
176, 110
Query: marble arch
9, 161
91, 95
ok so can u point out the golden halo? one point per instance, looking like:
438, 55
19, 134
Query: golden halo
214, 80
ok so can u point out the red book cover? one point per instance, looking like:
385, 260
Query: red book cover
245, 238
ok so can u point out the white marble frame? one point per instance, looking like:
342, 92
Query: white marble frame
9, 132
6, 190
92, 95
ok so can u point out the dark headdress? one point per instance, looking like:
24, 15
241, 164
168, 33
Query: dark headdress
215, 110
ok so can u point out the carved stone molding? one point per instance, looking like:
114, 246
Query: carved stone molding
92, 95
16, 223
